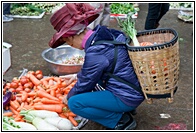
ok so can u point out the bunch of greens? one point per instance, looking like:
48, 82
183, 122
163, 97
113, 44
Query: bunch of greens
47, 7
8, 124
180, 5
128, 26
26, 9
123, 8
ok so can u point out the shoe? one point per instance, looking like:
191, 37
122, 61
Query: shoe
7, 19
133, 112
157, 25
125, 123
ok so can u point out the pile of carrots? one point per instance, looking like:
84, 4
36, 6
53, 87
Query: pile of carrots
46, 94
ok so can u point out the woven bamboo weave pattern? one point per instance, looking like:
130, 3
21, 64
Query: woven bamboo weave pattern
157, 70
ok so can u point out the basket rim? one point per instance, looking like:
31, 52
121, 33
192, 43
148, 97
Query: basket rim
153, 47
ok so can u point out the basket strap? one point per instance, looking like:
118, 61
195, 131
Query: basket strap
112, 42
110, 74
125, 82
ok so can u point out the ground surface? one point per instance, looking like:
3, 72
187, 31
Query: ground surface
29, 37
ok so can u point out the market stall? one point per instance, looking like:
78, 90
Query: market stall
185, 12
33, 101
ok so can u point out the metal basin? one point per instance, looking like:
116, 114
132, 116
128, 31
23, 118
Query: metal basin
55, 58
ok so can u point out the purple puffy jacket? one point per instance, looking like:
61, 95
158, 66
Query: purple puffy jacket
98, 61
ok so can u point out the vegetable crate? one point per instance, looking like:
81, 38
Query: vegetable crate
157, 66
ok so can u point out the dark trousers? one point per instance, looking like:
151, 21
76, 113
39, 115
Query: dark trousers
155, 12
6, 8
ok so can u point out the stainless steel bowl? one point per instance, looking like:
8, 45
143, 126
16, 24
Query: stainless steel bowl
55, 58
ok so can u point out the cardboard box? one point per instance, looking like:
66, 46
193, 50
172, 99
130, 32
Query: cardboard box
6, 56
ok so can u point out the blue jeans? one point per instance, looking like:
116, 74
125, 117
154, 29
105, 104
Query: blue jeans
155, 12
99, 106
6, 8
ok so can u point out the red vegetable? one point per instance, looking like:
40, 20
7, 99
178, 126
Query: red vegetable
13, 85
24, 81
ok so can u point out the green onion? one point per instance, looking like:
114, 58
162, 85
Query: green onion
128, 26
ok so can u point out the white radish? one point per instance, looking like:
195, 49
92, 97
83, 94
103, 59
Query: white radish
40, 113
41, 124
60, 123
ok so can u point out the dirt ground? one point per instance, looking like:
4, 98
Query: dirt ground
29, 37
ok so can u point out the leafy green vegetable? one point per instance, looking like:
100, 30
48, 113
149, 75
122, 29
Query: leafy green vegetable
25, 9
128, 26
8, 124
122, 8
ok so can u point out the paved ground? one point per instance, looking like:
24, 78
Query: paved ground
29, 37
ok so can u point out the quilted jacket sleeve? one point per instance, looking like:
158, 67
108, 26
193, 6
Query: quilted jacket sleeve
90, 73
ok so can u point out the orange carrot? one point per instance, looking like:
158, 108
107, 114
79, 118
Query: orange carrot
42, 94
47, 79
31, 94
53, 92
34, 80
54, 87
37, 99
18, 118
73, 121
51, 82
17, 103
21, 106
64, 84
48, 101
19, 99
27, 107
14, 116
31, 103
22, 120
57, 91
14, 111
40, 88
29, 99
24, 96
18, 95
8, 114
62, 115
71, 114
49, 107
72, 84
14, 105
58, 80
48, 90
66, 92
59, 95
146, 44
45, 83
37, 103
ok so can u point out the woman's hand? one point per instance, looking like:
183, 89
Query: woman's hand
70, 78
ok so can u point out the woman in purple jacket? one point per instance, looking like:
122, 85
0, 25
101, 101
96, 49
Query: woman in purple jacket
107, 65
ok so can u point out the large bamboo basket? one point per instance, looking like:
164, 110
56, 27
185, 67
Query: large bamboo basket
157, 66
